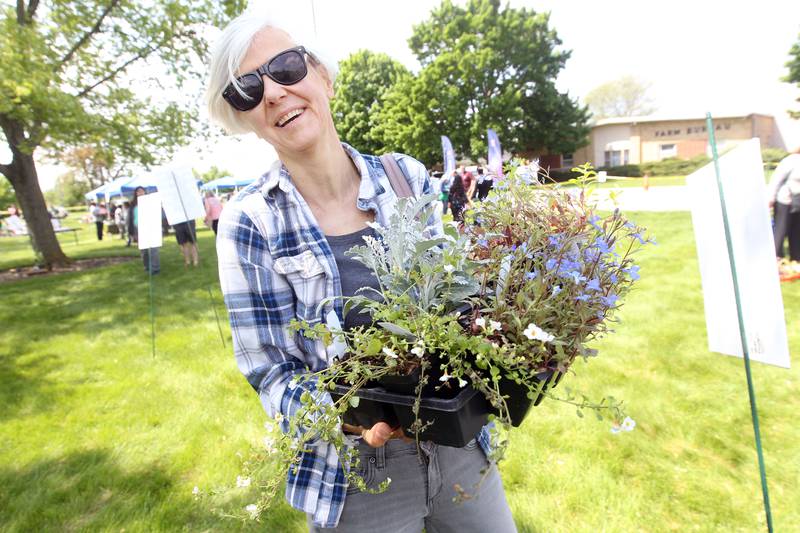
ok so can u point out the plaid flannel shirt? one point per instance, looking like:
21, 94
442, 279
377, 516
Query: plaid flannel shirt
275, 265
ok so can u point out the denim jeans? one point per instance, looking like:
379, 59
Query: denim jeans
148, 255
422, 490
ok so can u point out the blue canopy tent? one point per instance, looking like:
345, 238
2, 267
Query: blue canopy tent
148, 181
114, 188
228, 182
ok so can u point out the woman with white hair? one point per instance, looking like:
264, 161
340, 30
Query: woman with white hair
281, 247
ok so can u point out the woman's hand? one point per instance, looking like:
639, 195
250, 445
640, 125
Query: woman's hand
377, 435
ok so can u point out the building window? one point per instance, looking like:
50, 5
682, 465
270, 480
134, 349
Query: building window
567, 160
614, 158
668, 150
626, 157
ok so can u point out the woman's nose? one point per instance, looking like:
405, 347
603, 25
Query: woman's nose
273, 91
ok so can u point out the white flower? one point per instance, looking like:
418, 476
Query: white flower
462, 383
253, 510
389, 353
480, 322
278, 418
269, 444
534, 332
242, 482
418, 351
196, 490
445, 377
628, 424
495, 326
449, 269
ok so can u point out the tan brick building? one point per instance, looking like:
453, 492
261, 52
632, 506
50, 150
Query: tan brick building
630, 140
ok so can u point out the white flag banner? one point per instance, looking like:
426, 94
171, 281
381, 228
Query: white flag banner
179, 194
149, 220
744, 187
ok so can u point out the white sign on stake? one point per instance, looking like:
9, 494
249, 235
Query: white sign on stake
743, 184
149, 220
180, 195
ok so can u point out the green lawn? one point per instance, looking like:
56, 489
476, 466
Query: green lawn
16, 251
655, 181
97, 435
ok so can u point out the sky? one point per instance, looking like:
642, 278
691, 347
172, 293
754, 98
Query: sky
726, 58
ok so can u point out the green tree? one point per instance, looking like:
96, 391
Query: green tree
6, 194
483, 66
794, 72
363, 80
211, 174
69, 190
625, 97
66, 72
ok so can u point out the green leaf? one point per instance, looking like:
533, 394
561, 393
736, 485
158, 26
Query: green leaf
398, 330
354, 401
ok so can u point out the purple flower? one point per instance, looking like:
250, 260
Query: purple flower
610, 300
594, 284
483, 243
550, 264
602, 245
593, 222
576, 276
583, 297
531, 275
632, 271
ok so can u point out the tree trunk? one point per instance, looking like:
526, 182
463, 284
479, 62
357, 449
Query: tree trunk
25, 180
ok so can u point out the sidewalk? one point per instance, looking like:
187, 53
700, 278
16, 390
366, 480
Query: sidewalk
674, 198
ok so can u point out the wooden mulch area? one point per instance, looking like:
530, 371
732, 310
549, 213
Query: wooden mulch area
77, 265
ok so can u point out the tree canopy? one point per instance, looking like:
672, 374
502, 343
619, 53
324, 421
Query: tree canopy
363, 80
794, 72
483, 66
67, 72
624, 97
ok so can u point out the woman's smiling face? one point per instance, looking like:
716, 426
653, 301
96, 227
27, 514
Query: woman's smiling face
292, 118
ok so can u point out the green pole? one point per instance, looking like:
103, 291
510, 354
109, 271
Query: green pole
742, 334
152, 304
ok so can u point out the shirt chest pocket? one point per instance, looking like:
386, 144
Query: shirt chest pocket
306, 275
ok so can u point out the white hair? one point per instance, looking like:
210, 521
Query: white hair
230, 49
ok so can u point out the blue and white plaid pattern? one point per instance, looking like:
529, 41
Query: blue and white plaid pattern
275, 265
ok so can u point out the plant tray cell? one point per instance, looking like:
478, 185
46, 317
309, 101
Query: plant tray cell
518, 402
454, 422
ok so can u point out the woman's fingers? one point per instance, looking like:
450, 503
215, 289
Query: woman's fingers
377, 435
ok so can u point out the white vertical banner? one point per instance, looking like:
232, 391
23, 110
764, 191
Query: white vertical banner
179, 194
149, 220
744, 187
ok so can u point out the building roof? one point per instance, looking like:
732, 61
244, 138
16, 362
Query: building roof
666, 118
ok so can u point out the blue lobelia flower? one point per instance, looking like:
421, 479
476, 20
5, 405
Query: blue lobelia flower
632, 271
593, 222
594, 284
550, 264
610, 300
583, 297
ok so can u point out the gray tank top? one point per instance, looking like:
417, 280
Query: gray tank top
353, 274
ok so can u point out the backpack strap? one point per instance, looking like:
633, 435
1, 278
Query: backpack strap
397, 177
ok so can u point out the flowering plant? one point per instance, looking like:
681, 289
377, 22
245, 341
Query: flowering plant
534, 276
553, 272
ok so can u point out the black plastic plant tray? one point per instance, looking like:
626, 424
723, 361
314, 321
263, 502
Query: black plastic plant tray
455, 421
517, 399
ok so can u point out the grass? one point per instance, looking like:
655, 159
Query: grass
16, 251
97, 434
655, 181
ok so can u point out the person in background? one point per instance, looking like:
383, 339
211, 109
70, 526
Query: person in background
458, 199
444, 187
14, 224
97, 218
186, 235
469, 182
485, 183
282, 255
213, 210
121, 220
783, 193
150, 256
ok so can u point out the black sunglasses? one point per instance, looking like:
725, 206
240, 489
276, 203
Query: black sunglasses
286, 68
